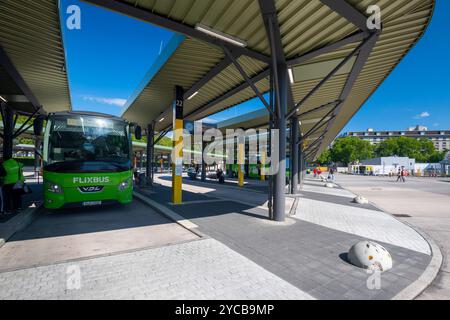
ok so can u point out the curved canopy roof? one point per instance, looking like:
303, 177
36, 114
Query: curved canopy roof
317, 37
32, 59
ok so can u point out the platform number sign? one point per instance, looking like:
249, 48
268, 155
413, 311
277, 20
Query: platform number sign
179, 103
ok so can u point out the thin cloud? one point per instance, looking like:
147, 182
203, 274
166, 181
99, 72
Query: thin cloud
424, 114
209, 120
110, 101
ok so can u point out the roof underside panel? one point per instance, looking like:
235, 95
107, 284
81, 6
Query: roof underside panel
31, 37
184, 68
404, 23
305, 25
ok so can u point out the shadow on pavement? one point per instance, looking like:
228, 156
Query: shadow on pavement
63, 222
196, 205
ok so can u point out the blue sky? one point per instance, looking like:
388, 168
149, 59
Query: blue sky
111, 53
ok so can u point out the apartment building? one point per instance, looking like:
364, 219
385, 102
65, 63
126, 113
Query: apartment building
440, 138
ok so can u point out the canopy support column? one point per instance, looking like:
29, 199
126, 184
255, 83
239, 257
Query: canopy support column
203, 177
294, 155
241, 160
150, 153
8, 131
281, 85
301, 166
280, 124
177, 155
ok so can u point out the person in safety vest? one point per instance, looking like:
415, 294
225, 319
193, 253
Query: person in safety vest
13, 181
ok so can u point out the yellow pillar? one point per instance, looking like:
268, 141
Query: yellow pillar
241, 161
263, 166
177, 157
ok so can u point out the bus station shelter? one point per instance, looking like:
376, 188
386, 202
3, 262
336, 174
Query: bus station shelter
33, 77
319, 61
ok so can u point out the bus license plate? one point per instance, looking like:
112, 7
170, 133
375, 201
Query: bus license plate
92, 203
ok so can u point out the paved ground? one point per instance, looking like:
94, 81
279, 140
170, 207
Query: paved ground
310, 256
203, 269
364, 222
426, 201
197, 190
134, 252
79, 233
128, 252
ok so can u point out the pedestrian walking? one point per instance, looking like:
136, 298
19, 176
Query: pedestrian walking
399, 174
404, 174
331, 174
315, 172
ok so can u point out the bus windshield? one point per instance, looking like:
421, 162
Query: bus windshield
80, 139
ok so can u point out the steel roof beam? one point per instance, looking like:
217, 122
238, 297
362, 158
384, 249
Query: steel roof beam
22, 128
230, 93
319, 125
347, 11
356, 37
246, 78
313, 151
161, 135
308, 148
312, 54
356, 70
324, 80
172, 25
359, 64
318, 108
222, 65
17, 78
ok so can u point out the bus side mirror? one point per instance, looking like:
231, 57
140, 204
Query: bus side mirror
138, 132
38, 125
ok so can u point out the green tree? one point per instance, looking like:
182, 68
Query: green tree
437, 156
350, 149
422, 150
324, 158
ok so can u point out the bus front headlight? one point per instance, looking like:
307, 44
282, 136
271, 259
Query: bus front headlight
53, 187
124, 184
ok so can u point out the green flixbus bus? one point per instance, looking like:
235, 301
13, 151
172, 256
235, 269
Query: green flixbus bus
87, 160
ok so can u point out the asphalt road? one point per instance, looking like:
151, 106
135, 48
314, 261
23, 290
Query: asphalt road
425, 202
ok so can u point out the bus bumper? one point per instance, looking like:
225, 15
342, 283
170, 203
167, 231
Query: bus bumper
71, 197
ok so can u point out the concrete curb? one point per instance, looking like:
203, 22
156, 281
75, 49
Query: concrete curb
18, 223
424, 281
175, 217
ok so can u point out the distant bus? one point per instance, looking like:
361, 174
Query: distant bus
252, 170
87, 160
